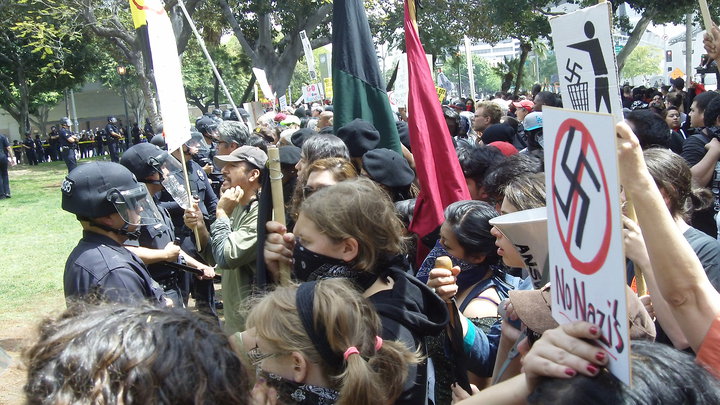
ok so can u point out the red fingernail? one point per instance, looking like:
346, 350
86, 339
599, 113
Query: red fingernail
600, 356
592, 369
594, 330
570, 372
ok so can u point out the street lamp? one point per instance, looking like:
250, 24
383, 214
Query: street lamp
121, 70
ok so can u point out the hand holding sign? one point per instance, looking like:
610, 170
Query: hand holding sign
563, 352
711, 41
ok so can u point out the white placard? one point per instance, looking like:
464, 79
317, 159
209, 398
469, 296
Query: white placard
399, 96
311, 93
283, 102
587, 263
309, 57
264, 85
586, 60
168, 76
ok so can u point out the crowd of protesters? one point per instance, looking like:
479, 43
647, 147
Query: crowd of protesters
365, 320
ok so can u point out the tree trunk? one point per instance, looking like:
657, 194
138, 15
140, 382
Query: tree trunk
634, 38
216, 91
525, 48
248, 90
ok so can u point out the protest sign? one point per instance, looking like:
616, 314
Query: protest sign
587, 264
169, 84
283, 102
311, 93
264, 85
309, 57
527, 230
586, 60
441, 92
327, 82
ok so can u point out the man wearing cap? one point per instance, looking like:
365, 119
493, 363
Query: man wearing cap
232, 239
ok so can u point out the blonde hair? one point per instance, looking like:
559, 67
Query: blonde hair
358, 209
341, 169
351, 322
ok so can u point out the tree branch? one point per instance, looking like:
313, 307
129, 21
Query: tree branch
634, 38
230, 18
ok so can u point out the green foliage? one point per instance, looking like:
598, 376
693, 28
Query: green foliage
486, 79
201, 87
643, 61
41, 51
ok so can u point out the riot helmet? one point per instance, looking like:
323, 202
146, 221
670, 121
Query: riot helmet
98, 189
65, 121
112, 120
145, 159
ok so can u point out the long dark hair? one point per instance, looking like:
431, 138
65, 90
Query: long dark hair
470, 222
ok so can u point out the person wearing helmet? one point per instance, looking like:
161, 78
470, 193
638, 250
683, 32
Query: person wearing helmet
156, 244
231, 241
113, 135
204, 195
68, 144
111, 206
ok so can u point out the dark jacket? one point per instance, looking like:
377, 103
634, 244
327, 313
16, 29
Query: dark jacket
410, 312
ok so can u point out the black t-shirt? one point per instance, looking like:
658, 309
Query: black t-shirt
693, 152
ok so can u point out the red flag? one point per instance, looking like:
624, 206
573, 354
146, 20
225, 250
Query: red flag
438, 169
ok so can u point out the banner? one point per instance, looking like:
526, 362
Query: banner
309, 57
586, 60
168, 76
587, 262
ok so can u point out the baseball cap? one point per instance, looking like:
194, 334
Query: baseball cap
246, 153
532, 121
526, 104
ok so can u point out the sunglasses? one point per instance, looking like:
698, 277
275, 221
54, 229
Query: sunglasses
256, 356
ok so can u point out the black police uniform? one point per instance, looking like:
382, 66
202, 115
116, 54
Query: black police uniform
39, 150
67, 149
157, 237
4, 180
100, 266
112, 142
30, 151
200, 187
54, 142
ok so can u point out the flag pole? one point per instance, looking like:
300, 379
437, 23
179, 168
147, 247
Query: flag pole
209, 59
191, 199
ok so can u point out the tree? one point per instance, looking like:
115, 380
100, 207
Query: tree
37, 56
644, 61
269, 33
486, 79
111, 21
202, 88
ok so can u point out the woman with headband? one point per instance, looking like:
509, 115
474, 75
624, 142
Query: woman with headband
318, 343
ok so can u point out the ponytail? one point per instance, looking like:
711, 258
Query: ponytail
382, 375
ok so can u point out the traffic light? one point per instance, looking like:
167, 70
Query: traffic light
668, 56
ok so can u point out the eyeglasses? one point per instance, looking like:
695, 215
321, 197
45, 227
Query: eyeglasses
256, 356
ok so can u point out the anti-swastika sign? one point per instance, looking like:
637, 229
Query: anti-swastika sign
587, 264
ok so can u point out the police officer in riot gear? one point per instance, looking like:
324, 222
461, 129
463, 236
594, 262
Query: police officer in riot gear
201, 189
113, 136
156, 244
68, 144
111, 207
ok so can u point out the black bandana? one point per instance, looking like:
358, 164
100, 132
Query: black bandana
290, 392
311, 266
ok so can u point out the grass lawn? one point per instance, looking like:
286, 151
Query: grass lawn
36, 236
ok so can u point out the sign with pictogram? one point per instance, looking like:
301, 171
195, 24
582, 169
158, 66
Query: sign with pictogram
585, 55
587, 263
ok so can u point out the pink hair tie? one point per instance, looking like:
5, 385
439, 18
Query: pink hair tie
378, 343
351, 350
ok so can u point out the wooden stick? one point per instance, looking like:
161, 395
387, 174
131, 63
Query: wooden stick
278, 201
639, 278
190, 197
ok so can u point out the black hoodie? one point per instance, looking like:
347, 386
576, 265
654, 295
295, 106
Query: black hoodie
409, 312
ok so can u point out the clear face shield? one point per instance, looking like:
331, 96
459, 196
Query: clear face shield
196, 144
172, 178
135, 206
